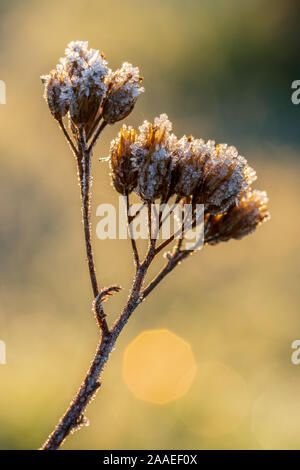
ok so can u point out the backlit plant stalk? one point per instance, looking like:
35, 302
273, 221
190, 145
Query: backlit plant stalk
157, 166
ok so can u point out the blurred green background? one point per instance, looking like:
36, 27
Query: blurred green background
220, 69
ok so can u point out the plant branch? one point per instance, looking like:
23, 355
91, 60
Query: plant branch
132, 239
172, 263
74, 416
98, 307
96, 136
69, 140
92, 129
180, 232
85, 192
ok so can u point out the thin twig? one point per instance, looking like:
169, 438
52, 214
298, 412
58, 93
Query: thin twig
132, 217
152, 240
132, 239
96, 136
74, 414
92, 129
168, 213
86, 162
66, 134
165, 243
98, 307
172, 263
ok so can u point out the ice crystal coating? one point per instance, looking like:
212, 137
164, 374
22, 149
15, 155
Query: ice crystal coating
86, 69
124, 89
123, 162
215, 175
83, 85
227, 176
82, 72
57, 93
153, 150
239, 220
190, 156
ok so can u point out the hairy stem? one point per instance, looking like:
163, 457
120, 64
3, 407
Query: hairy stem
85, 193
94, 126
74, 416
133, 242
172, 263
68, 138
96, 136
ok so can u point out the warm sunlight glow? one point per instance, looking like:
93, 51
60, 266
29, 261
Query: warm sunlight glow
217, 401
159, 366
275, 416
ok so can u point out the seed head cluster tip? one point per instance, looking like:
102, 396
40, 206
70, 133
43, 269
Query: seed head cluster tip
123, 165
124, 89
157, 165
83, 86
239, 220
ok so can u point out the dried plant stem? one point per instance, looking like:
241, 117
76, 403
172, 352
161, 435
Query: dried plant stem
69, 140
74, 416
85, 194
96, 136
93, 128
172, 263
133, 242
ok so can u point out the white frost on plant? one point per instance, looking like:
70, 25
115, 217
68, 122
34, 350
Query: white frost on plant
92, 88
82, 73
216, 175
58, 93
153, 149
124, 88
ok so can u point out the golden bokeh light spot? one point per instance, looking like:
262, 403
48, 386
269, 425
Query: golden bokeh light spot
217, 402
159, 366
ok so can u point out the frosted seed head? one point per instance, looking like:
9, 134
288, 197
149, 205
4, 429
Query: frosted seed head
84, 71
57, 93
124, 87
240, 220
153, 151
205, 173
190, 155
226, 176
215, 175
87, 70
155, 135
124, 170
155, 175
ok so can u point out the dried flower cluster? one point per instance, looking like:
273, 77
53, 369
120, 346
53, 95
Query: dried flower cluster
157, 165
83, 85
239, 220
124, 89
